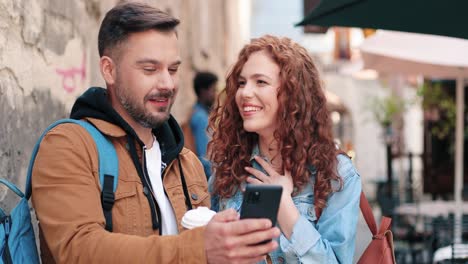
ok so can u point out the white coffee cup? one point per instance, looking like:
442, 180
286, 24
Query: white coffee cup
197, 217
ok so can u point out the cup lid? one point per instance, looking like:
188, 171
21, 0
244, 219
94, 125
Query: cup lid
197, 217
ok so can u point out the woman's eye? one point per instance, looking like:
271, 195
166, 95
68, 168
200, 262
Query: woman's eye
262, 82
241, 83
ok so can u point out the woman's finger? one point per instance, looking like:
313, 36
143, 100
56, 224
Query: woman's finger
268, 168
260, 175
254, 180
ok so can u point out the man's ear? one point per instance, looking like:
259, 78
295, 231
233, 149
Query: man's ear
108, 69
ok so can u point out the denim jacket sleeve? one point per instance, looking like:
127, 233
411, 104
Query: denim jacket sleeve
332, 239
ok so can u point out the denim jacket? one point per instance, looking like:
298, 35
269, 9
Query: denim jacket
331, 239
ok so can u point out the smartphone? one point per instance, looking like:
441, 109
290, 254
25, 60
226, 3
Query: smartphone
261, 201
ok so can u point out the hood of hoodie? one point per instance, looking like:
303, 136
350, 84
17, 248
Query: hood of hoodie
95, 103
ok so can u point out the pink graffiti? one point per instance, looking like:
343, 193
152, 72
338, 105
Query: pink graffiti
69, 75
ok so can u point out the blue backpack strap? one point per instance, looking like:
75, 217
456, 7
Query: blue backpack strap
12, 187
108, 166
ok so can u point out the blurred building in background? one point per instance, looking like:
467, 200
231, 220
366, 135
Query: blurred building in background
48, 57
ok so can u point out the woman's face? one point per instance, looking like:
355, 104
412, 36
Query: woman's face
256, 96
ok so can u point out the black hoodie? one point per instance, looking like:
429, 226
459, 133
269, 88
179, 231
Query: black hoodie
95, 103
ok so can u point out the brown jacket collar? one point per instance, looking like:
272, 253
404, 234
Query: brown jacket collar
107, 128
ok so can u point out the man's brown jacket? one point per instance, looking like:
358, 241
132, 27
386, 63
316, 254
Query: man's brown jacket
67, 198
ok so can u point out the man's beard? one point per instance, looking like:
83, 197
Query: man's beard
138, 112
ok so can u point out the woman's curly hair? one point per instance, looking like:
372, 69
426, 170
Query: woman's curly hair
304, 134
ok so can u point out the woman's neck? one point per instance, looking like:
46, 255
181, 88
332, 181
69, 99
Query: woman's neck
268, 147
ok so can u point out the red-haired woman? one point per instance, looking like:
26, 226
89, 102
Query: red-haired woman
274, 128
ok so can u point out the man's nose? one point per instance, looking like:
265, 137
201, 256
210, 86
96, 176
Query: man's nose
165, 80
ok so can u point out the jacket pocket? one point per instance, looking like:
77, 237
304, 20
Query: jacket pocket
124, 212
199, 195
125, 190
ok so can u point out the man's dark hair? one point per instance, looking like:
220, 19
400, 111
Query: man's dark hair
131, 17
203, 80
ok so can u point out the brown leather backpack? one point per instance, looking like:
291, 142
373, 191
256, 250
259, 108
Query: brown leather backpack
380, 250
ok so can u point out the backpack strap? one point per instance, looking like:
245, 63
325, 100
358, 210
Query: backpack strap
108, 166
367, 213
12, 187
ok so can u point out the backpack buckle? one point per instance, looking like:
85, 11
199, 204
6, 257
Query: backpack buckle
107, 199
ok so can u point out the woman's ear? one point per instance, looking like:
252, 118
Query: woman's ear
107, 67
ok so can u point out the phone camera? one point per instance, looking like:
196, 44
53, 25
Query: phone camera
253, 197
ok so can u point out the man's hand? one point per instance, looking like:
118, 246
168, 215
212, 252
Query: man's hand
230, 240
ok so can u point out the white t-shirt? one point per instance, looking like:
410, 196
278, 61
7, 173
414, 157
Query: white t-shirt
153, 164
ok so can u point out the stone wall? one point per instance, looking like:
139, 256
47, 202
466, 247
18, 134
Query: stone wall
48, 57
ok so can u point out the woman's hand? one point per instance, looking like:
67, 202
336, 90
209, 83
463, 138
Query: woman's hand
274, 177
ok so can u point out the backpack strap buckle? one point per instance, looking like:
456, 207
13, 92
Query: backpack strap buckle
108, 199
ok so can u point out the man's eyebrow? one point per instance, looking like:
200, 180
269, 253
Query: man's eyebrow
176, 63
156, 62
151, 61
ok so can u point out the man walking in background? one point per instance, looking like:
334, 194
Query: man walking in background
204, 84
